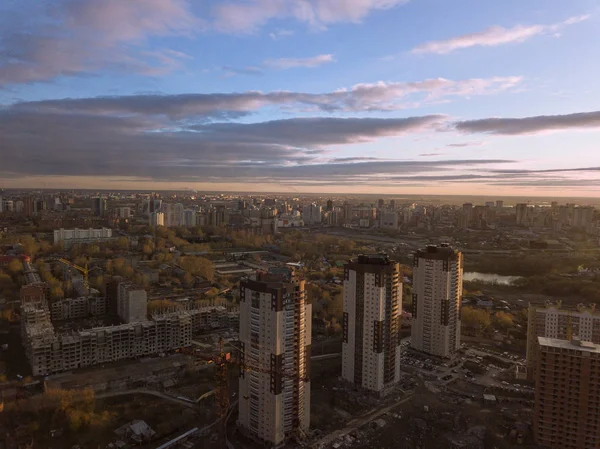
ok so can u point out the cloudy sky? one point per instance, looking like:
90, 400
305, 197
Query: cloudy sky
389, 96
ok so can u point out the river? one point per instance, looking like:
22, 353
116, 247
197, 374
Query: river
490, 278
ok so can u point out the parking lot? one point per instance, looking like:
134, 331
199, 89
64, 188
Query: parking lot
486, 368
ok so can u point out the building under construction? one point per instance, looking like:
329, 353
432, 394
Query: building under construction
562, 321
50, 351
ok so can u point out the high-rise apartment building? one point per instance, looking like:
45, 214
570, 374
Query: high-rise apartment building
312, 214
371, 326
582, 217
437, 296
275, 336
189, 218
132, 303
567, 394
555, 320
157, 219
100, 208
522, 214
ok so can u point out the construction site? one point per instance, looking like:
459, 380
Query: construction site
54, 342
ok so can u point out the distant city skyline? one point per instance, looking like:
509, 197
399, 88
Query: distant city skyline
302, 96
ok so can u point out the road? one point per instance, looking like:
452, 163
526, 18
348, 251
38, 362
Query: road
148, 392
357, 423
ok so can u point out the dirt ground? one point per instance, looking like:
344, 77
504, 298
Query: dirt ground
14, 357
439, 421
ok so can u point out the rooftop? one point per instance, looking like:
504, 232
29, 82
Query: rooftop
574, 344
374, 259
443, 251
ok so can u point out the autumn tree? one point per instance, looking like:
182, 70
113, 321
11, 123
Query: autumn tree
475, 319
504, 320
198, 266
15, 267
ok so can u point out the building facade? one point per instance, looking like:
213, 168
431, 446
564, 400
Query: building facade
72, 236
312, 214
132, 303
275, 336
555, 320
157, 219
371, 325
436, 302
567, 394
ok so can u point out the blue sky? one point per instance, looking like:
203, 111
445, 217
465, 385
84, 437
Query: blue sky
390, 96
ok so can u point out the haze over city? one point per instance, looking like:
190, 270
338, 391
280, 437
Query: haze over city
328, 96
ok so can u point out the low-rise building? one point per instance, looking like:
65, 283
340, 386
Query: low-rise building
72, 236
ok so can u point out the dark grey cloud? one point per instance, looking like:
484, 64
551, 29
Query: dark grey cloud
379, 96
531, 125
318, 131
148, 146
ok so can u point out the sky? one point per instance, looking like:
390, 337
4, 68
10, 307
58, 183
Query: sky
334, 96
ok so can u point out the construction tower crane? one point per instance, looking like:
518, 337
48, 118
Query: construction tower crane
84, 270
221, 361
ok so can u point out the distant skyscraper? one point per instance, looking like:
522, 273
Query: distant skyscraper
157, 219
371, 326
275, 338
522, 214
28, 206
437, 296
312, 214
189, 218
99, 206
392, 204
582, 217
329, 205
1, 204
380, 203
499, 204
567, 394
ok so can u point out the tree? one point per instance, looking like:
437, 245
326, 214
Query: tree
56, 292
336, 306
188, 280
122, 243
504, 320
198, 266
148, 248
97, 282
475, 319
15, 267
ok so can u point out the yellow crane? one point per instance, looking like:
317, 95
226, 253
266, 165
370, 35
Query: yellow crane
84, 270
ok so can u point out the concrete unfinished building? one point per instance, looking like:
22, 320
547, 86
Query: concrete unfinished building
73, 308
49, 351
562, 321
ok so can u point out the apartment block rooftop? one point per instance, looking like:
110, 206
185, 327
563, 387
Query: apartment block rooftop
574, 344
